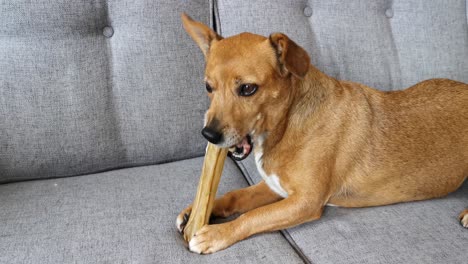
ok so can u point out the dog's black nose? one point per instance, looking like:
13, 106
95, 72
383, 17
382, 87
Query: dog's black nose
212, 135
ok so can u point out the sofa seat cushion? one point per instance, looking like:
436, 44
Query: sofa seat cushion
415, 232
122, 216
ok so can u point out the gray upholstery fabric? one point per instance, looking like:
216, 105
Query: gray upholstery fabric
123, 216
385, 44
75, 99
415, 232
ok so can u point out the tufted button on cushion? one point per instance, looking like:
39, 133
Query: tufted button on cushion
108, 31
308, 11
389, 13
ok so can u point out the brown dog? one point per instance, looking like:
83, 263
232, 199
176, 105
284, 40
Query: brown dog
321, 141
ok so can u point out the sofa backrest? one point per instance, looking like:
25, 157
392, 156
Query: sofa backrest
386, 44
87, 86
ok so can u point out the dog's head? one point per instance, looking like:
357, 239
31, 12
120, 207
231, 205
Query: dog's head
248, 80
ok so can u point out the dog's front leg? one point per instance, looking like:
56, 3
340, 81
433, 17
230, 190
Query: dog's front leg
244, 200
235, 202
291, 211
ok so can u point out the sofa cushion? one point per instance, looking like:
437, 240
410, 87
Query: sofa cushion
122, 216
415, 232
388, 45
86, 86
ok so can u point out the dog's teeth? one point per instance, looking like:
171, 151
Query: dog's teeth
238, 155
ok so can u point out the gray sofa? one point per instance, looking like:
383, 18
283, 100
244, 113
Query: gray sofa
101, 106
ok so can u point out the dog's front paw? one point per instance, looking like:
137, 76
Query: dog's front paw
212, 238
464, 218
183, 218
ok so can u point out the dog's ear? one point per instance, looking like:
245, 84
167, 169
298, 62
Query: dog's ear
200, 33
291, 57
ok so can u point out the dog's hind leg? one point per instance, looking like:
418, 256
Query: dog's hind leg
463, 217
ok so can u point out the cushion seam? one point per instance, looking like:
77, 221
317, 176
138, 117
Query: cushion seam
105, 169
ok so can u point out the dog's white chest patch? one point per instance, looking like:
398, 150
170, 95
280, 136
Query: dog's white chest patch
272, 180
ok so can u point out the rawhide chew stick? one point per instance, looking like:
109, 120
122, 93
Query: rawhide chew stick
206, 192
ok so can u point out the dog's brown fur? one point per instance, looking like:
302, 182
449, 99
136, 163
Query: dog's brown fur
328, 141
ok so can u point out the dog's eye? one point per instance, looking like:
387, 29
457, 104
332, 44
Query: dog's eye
208, 88
247, 89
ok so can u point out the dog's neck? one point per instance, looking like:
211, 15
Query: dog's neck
308, 95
